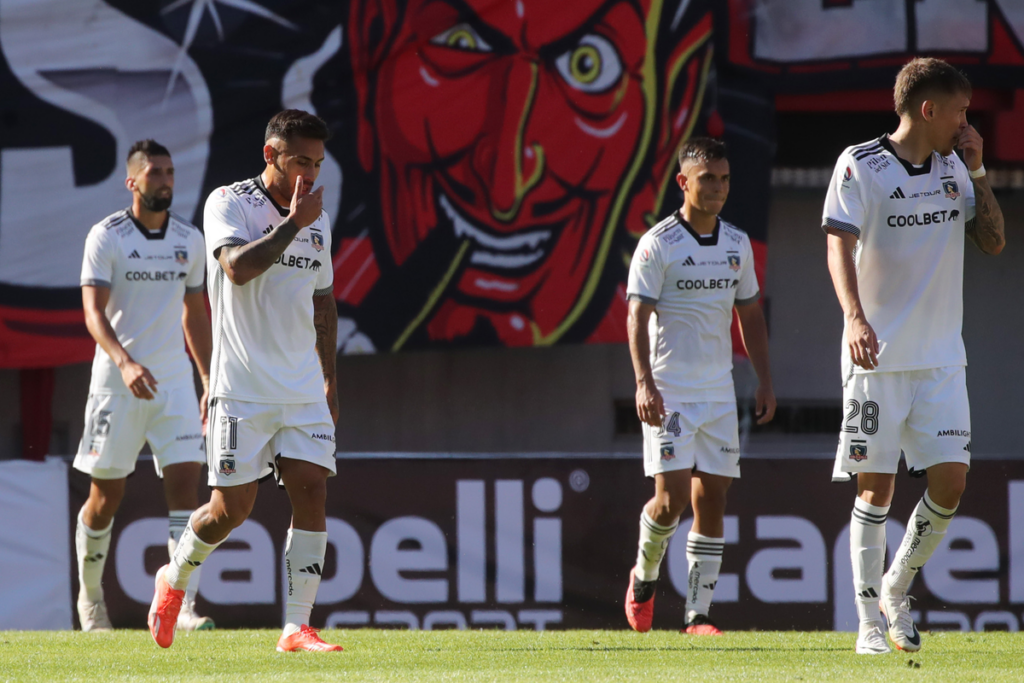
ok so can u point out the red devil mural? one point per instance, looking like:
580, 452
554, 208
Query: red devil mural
515, 145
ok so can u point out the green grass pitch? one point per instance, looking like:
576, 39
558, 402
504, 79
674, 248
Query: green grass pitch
393, 655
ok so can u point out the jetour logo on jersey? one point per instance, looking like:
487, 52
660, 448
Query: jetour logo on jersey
926, 218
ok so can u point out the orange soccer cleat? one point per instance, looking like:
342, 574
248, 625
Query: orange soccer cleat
305, 638
163, 613
640, 603
701, 625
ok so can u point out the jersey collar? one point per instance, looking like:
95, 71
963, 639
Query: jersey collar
146, 232
263, 188
924, 169
703, 240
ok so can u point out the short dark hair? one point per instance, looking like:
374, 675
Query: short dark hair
922, 78
701, 149
297, 123
148, 148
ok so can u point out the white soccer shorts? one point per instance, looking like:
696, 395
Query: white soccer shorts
704, 436
117, 426
924, 413
245, 439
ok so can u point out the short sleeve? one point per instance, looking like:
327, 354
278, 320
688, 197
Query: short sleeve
224, 221
98, 259
747, 291
969, 196
194, 281
844, 209
646, 271
325, 274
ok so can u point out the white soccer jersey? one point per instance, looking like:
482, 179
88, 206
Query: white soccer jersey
148, 274
264, 343
693, 281
910, 258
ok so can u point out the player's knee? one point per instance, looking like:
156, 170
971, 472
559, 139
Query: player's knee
230, 513
105, 501
670, 505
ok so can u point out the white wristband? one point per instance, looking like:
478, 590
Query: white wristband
979, 173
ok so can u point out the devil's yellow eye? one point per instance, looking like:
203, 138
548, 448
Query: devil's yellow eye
585, 64
462, 37
593, 65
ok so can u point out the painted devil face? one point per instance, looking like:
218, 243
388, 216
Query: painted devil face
515, 126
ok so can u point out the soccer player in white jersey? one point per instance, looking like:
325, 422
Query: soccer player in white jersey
687, 275
142, 282
896, 214
273, 393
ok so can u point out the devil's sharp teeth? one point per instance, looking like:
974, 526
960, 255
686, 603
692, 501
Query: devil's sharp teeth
489, 258
464, 228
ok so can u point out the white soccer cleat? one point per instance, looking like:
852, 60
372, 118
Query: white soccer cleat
902, 629
188, 620
93, 616
871, 639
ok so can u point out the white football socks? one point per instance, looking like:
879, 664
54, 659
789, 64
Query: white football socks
704, 557
653, 542
177, 522
303, 561
925, 531
191, 552
92, 547
867, 552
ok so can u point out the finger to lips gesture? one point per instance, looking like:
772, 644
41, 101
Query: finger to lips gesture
306, 208
971, 143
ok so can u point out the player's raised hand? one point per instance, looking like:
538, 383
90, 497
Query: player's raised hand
764, 399
863, 344
971, 143
650, 406
139, 380
306, 208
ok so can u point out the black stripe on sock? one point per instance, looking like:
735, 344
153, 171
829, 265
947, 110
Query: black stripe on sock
705, 546
936, 512
658, 529
865, 513
858, 515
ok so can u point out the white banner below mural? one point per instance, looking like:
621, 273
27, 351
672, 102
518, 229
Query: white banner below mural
35, 560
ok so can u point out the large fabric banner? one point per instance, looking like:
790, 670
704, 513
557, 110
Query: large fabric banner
542, 543
494, 160
35, 554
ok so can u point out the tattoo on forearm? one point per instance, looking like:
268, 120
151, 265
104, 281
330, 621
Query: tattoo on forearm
987, 230
325, 321
262, 253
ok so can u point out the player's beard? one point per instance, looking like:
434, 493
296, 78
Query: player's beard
156, 204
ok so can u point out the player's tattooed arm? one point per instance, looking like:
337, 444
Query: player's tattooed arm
325, 321
245, 262
987, 229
